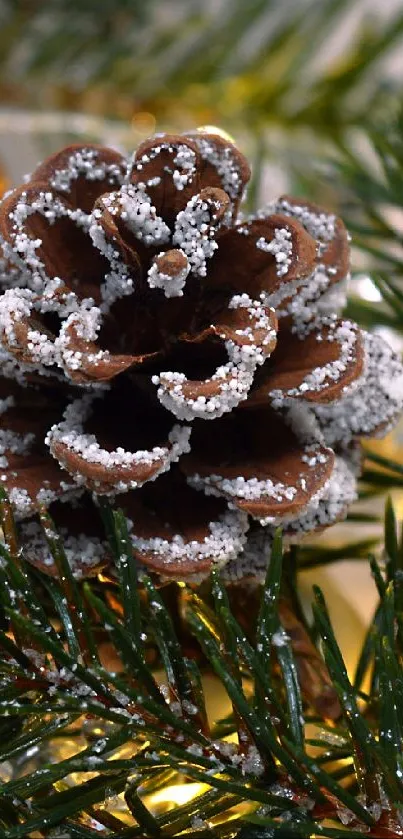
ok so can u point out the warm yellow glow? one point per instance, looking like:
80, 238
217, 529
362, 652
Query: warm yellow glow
348, 622
212, 129
235, 813
176, 794
143, 123
103, 578
389, 447
4, 181
4, 178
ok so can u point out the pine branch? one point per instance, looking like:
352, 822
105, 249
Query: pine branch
135, 736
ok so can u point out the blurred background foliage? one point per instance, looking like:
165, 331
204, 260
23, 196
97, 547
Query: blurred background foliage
291, 80
251, 65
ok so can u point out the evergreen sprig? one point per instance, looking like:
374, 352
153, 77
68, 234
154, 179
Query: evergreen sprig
298, 765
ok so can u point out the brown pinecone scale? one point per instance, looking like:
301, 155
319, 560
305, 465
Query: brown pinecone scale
189, 362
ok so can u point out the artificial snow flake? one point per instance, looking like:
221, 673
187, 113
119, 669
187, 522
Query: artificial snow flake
281, 248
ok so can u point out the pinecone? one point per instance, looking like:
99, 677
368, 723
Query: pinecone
159, 349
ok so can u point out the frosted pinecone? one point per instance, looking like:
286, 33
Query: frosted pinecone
189, 364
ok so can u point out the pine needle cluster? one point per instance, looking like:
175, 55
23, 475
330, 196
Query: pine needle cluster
312, 753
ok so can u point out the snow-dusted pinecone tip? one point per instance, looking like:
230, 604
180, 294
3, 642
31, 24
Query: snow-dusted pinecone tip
160, 349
